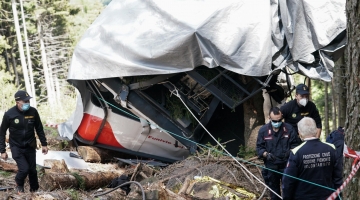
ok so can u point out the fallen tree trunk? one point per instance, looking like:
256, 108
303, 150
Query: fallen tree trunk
93, 154
8, 166
80, 180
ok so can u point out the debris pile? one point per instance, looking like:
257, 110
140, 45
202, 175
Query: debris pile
204, 176
198, 178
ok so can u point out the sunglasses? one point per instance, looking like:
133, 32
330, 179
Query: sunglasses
276, 121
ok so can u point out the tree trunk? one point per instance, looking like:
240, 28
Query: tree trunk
8, 166
21, 48
341, 90
326, 109
308, 83
17, 82
82, 180
7, 63
32, 84
352, 125
334, 99
5, 54
45, 66
253, 119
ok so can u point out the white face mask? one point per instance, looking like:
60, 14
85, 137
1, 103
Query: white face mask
303, 101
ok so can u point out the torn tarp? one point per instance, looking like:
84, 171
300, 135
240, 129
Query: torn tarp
135, 37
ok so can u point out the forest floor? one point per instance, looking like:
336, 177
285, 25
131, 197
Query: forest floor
202, 176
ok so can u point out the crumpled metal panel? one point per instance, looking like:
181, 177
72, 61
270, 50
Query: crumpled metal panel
136, 37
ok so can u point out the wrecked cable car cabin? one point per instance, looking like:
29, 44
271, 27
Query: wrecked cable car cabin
155, 81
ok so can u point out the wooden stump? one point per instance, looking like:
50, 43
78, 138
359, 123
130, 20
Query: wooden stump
82, 180
57, 166
9, 166
93, 154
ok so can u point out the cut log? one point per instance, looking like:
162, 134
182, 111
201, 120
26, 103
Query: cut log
185, 185
93, 154
81, 180
172, 195
52, 181
9, 166
57, 166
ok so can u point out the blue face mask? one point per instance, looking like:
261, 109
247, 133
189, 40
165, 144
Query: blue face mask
25, 106
276, 124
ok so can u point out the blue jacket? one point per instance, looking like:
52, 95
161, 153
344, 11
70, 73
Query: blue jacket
313, 161
277, 143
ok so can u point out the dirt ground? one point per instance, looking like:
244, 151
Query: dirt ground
158, 183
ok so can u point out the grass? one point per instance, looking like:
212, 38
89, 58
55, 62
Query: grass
80, 180
215, 150
74, 194
50, 131
5, 174
246, 152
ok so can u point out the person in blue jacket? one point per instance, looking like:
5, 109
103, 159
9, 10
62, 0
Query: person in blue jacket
294, 110
273, 145
312, 161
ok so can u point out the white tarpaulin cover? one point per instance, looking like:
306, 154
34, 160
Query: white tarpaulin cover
137, 37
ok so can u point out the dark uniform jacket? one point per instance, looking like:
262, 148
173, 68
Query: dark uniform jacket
293, 113
313, 161
277, 143
21, 126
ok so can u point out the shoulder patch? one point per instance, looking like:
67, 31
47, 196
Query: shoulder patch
297, 148
332, 145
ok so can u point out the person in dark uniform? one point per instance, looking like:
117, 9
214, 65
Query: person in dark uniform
273, 145
312, 161
21, 120
300, 107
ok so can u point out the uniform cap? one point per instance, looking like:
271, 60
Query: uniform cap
302, 89
22, 95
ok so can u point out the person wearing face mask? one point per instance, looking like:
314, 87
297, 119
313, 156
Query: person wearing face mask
274, 141
21, 121
301, 107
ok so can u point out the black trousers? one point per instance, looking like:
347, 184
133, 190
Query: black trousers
26, 161
273, 180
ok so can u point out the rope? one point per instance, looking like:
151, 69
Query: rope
355, 167
226, 154
178, 95
337, 192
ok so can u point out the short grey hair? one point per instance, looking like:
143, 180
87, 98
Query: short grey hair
307, 127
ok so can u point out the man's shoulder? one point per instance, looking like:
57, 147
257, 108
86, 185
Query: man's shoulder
33, 109
288, 105
264, 128
329, 145
297, 149
311, 104
12, 111
314, 146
